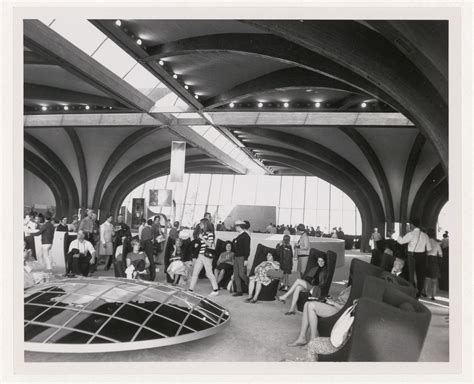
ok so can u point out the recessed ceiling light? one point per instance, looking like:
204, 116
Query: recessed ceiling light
175, 76
317, 105
260, 105
139, 41
231, 105
186, 86
66, 107
161, 62
308, 90
43, 108
110, 107
87, 107
363, 105
196, 96
286, 105
118, 23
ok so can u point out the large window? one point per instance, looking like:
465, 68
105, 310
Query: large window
298, 199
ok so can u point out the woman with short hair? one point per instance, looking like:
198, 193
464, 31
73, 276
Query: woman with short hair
433, 261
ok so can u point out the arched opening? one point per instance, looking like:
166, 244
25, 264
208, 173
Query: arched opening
37, 194
444, 219
288, 200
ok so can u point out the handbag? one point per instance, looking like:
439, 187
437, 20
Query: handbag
340, 330
275, 274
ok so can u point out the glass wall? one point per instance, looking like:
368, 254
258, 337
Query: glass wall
298, 199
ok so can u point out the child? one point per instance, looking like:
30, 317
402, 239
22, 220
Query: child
285, 252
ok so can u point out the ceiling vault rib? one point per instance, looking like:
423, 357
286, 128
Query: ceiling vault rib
412, 163
81, 162
377, 168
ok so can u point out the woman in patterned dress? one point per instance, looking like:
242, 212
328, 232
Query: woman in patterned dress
261, 278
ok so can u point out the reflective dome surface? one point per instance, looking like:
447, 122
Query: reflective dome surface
112, 314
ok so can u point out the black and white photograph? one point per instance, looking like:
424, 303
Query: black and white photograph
307, 217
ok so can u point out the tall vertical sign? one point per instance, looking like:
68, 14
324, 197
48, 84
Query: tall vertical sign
178, 155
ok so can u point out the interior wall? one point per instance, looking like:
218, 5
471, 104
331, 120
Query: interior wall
258, 216
36, 191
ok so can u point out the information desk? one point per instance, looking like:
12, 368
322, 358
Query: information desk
271, 240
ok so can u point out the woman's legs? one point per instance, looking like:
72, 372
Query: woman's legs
301, 339
197, 268
216, 274
48, 261
427, 286
251, 287
298, 283
208, 267
434, 287
257, 291
294, 299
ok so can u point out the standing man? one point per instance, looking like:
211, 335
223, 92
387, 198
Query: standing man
47, 235
375, 238
147, 244
418, 243
87, 226
241, 248
208, 216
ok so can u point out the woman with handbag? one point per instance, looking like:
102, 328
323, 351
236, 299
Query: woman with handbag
205, 257
261, 277
315, 279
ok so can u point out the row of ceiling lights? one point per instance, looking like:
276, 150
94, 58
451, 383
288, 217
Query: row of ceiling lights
45, 108
139, 41
286, 105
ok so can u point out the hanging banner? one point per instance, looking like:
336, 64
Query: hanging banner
160, 198
138, 212
178, 157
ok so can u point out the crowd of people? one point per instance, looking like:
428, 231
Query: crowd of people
188, 251
285, 229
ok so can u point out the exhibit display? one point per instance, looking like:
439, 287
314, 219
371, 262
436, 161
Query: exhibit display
109, 314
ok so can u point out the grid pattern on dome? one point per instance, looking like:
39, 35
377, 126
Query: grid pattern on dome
110, 310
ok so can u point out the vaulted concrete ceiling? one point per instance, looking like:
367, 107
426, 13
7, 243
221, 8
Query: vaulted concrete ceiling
396, 70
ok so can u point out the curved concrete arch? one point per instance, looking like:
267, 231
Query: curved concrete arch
436, 201
281, 79
412, 162
118, 152
364, 52
430, 184
81, 162
377, 168
52, 179
316, 151
369, 220
56, 163
153, 171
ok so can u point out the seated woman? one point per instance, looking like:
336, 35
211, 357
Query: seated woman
314, 309
137, 262
225, 262
261, 278
177, 268
285, 252
312, 281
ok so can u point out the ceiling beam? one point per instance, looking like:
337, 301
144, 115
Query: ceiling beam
124, 41
288, 78
365, 53
52, 46
61, 95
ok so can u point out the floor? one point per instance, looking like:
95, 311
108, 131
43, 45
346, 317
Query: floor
258, 332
